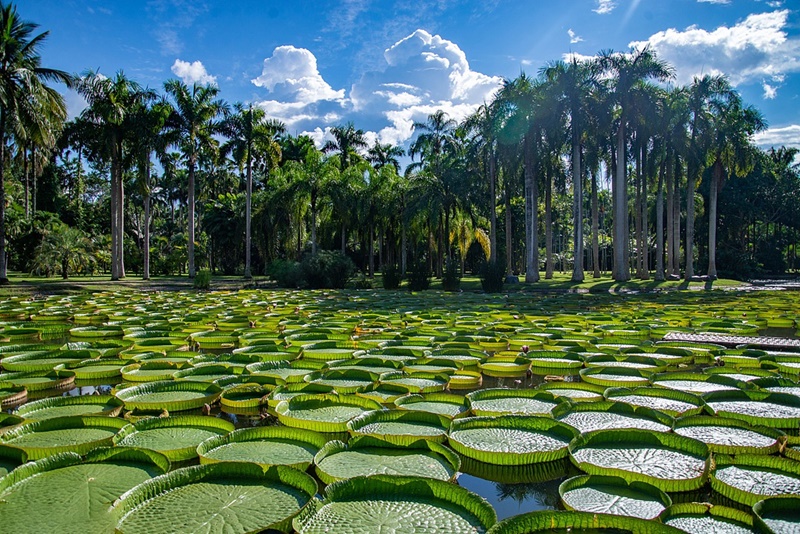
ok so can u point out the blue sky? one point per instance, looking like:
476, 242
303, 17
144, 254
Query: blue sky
384, 64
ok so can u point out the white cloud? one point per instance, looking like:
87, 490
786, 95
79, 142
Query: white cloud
604, 7
788, 136
75, 103
192, 72
573, 37
753, 49
294, 71
770, 91
723, 2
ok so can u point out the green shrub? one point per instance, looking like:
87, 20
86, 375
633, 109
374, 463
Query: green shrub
392, 277
286, 273
362, 281
451, 281
327, 269
202, 279
419, 278
493, 275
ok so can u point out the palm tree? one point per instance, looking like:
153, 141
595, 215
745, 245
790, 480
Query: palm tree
573, 83
25, 97
627, 70
381, 155
112, 102
64, 249
733, 125
346, 141
464, 233
251, 137
194, 120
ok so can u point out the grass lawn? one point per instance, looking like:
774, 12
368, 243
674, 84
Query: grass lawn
22, 283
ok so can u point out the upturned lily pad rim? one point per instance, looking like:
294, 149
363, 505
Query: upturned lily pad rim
581, 481
621, 408
356, 425
517, 422
663, 393
659, 440
446, 398
548, 520
710, 420
29, 409
403, 488
262, 433
153, 488
756, 462
790, 504
129, 395
588, 375
60, 423
176, 454
284, 410
726, 513
784, 399
361, 442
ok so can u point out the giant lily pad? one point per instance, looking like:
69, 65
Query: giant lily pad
323, 413
669, 401
400, 426
777, 515
63, 406
510, 439
169, 395
265, 445
613, 495
67, 493
729, 436
445, 404
549, 521
175, 437
228, 497
667, 461
590, 416
382, 503
776, 410
704, 517
365, 455
75, 433
501, 401
750, 478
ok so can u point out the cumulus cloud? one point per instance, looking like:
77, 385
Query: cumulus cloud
754, 49
781, 136
604, 7
770, 91
573, 37
724, 2
194, 72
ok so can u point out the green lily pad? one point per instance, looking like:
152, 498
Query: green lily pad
75, 433
101, 405
613, 495
266, 445
750, 478
704, 517
175, 437
169, 395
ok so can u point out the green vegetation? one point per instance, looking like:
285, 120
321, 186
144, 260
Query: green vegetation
515, 189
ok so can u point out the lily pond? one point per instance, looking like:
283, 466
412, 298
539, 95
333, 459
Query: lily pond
379, 411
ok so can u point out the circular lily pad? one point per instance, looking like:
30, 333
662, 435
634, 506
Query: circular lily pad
750, 478
382, 503
775, 410
501, 401
704, 517
103, 405
674, 403
229, 497
777, 515
323, 413
510, 439
590, 416
667, 461
729, 436
445, 404
76, 433
400, 426
613, 495
365, 456
65, 492
549, 521
265, 445
175, 437
169, 395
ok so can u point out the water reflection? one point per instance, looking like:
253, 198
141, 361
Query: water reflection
512, 499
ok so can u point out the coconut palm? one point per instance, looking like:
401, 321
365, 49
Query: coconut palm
381, 155
112, 103
194, 119
25, 97
627, 70
251, 138
347, 141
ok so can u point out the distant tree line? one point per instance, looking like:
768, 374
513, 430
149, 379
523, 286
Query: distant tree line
598, 166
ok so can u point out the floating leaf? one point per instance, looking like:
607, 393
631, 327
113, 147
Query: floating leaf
613, 495
265, 445
175, 437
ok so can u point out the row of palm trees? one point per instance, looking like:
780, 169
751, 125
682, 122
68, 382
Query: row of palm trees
566, 127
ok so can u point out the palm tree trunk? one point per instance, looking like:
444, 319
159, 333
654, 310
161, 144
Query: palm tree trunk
644, 218
313, 224
638, 209
146, 251
595, 229
670, 207
676, 217
27, 181
372, 250
716, 180
577, 208
531, 211
690, 223
248, 216
492, 209
509, 262
660, 224
190, 241
120, 218
548, 226
115, 156
3, 262
619, 192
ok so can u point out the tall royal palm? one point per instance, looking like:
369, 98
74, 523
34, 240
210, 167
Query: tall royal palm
25, 97
251, 139
627, 70
194, 120
731, 152
347, 141
109, 116
573, 83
